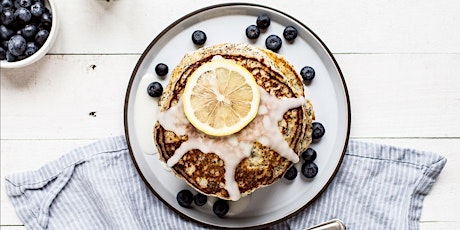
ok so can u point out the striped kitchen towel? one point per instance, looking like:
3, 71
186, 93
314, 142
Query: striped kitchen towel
98, 187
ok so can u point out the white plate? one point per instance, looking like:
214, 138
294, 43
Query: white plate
227, 23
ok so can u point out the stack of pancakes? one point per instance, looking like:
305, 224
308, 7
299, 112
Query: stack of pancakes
264, 166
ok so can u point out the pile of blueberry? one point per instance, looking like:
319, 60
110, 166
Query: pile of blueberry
24, 28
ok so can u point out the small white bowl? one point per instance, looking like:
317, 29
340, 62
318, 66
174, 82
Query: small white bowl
50, 4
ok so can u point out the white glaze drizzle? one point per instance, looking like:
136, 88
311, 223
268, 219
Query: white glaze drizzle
234, 148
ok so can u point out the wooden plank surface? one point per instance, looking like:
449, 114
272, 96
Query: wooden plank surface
399, 59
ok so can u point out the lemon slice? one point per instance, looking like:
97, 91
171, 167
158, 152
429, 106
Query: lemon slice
221, 97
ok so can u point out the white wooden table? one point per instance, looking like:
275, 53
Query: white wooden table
400, 59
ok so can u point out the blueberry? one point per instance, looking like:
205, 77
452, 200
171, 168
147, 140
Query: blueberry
10, 57
273, 43
47, 18
155, 89
29, 31
161, 69
2, 54
185, 198
309, 155
291, 173
31, 48
199, 37
17, 45
41, 36
22, 3
37, 9
307, 73
220, 208
200, 199
290, 33
23, 15
263, 21
7, 17
5, 32
318, 130
309, 169
7, 4
252, 32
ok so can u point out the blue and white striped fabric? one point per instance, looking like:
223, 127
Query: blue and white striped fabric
98, 187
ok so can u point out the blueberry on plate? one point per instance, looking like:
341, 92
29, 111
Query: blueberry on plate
291, 173
199, 37
290, 33
155, 89
309, 169
185, 198
252, 32
220, 208
200, 199
161, 69
17, 45
273, 43
307, 73
318, 130
309, 155
263, 21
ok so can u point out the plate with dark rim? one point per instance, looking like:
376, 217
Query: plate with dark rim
226, 23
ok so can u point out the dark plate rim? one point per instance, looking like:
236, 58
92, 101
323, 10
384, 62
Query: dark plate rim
155, 40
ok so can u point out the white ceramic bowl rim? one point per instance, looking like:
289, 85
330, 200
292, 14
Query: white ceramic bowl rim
43, 50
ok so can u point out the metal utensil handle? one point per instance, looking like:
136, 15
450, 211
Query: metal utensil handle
334, 224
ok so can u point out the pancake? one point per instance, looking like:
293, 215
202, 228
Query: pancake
209, 171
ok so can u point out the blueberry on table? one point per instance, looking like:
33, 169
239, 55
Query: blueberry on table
220, 208
41, 36
309, 169
185, 198
200, 199
307, 73
291, 173
273, 43
155, 89
161, 69
199, 37
252, 32
263, 21
290, 33
318, 130
309, 155
17, 45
